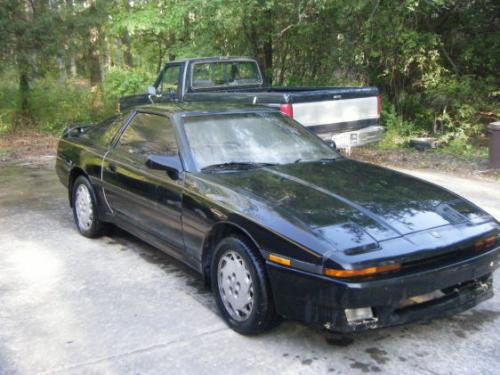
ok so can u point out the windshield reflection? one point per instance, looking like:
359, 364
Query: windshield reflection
263, 137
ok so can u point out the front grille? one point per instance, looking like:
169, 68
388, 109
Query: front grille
452, 256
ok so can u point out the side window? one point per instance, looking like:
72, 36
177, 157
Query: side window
170, 79
148, 134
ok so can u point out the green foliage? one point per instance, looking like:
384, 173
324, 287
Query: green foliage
435, 61
126, 81
55, 104
8, 102
397, 129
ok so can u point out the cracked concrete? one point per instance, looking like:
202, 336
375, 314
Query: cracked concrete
116, 305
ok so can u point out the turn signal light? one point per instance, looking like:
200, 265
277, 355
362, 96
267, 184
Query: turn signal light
280, 260
361, 272
485, 243
379, 104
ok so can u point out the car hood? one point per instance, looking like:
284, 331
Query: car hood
352, 204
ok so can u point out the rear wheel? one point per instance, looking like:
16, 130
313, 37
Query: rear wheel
85, 208
241, 288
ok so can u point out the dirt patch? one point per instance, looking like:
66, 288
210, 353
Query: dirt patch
33, 145
26, 145
435, 160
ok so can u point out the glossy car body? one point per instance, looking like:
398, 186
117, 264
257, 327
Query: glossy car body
304, 218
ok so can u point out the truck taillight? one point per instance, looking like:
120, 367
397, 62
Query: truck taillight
287, 110
379, 104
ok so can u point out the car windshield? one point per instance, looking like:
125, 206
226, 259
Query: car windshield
225, 74
259, 138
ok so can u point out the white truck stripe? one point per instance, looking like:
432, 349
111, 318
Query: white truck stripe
334, 111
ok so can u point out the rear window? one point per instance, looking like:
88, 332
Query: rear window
103, 133
225, 74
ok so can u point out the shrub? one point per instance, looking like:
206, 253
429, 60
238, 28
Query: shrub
397, 129
119, 82
8, 102
56, 104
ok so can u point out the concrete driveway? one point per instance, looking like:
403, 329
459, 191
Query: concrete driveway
116, 305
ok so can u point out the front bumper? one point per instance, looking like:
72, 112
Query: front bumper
321, 300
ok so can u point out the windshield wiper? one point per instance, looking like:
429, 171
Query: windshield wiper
235, 165
315, 160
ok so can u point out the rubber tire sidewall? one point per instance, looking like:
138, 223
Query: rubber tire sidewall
263, 315
96, 229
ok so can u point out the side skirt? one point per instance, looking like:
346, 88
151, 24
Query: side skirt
152, 240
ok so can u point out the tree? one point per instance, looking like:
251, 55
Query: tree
26, 43
436, 61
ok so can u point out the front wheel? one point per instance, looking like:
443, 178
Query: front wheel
85, 209
241, 288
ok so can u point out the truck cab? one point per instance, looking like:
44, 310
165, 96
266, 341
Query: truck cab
347, 116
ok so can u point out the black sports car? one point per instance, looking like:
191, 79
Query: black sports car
276, 221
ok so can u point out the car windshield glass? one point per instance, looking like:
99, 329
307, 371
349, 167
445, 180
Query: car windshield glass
259, 137
225, 74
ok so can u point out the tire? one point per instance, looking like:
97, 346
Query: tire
85, 209
232, 290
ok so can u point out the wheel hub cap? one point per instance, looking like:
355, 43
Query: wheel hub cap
83, 207
235, 285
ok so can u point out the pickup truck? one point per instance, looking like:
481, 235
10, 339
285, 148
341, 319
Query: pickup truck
345, 116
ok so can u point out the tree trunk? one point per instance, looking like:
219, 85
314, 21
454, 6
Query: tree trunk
125, 38
160, 57
62, 68
283, 59
24, 118
260, 36
72, 68
127, 53
24, 88
24, 68
267, 58
94, 57
106, 58
94, 68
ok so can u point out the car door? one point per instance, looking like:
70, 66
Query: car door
146, 198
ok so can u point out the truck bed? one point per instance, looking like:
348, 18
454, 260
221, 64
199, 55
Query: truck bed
283, 95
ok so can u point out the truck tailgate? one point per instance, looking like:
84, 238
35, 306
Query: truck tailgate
335, 116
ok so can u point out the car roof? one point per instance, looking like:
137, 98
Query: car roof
213, 59
188, 108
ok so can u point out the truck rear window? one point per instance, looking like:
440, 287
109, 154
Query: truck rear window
221, 74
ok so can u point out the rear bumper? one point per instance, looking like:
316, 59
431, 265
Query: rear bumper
321, 300
356, 138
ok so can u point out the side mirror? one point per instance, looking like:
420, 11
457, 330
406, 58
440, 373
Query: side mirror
152, 90
332, 145
169, 163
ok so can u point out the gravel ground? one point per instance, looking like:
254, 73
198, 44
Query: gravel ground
430, 160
